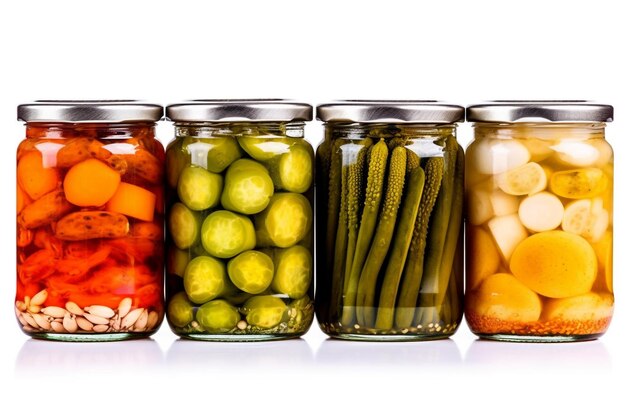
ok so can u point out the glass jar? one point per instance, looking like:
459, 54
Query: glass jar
540, 216
240, 220
389, 215
89, 221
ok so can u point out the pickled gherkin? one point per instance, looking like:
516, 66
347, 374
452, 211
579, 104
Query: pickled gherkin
239, 208
384, 217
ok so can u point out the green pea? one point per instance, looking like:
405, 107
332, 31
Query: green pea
251, 271
217, 316
180, 310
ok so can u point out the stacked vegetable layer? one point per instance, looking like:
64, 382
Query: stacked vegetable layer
540, 234
240, 235
89, 227
392, 263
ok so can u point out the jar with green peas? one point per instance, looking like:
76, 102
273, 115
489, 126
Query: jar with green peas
240, 220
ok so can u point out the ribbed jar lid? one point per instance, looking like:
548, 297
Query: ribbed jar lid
259, 110
390, 111
540, 111
89, 111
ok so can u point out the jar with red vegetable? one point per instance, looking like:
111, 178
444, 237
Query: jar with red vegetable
89, 220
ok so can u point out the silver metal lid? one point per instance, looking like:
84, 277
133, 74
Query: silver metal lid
390, 111
261, 110
502, 111
89, 111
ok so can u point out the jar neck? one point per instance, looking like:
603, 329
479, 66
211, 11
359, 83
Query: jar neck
269, 129
356, 131
548, 131
101, 131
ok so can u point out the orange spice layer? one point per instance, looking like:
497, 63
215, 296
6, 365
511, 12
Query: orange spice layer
491, 325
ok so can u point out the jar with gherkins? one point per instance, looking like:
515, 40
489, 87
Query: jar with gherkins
239, 214
90, 220
389, 195
540, 221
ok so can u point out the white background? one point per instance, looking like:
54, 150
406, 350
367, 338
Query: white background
462, 52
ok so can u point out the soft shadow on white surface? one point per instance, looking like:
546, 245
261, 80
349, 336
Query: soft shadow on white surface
575, 357
37, 356
191, 355
348, 354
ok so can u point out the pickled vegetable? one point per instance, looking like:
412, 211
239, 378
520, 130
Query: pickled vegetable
90, 234
198, 188
204, 279
263, 148
133, 201
294, 272
226, 234
286, 220
251, 271
247, 187
264, 311
217, 316
180, 310
380, 269
252, 243
549, 221
294, 170
222, 152
90, 183
184, 226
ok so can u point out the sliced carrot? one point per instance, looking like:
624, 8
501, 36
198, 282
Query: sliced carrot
133, 201
34, 179
22, 199
90, 183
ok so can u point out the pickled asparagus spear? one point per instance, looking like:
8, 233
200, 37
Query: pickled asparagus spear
380, 244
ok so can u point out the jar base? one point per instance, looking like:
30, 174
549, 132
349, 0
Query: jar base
390, 338
239, 337
91, 337
538, 339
